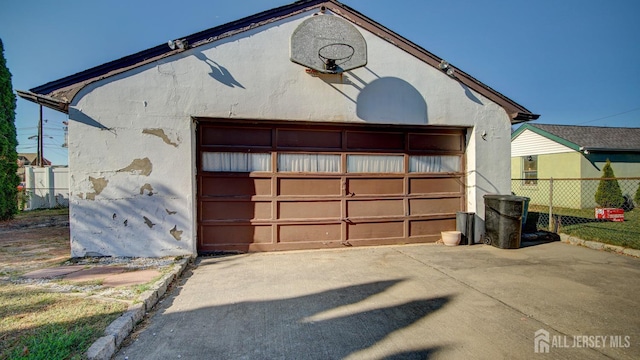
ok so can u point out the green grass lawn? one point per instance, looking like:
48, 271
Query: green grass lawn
37, 324
581, 223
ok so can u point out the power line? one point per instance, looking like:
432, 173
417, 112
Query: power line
49, 147
609, 116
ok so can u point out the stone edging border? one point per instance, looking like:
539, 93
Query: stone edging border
599, 246
105, 347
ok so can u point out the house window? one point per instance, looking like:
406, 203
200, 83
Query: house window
530, 169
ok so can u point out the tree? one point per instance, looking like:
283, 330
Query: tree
609, 194
9, 179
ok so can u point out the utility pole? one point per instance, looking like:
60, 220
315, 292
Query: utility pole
40, 147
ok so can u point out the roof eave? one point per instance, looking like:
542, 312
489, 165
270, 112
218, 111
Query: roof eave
44, 100
520, 117
587, 149
63, 90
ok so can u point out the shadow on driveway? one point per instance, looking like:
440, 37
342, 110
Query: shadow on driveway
322, 325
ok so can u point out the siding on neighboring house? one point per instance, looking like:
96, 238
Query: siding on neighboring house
573, 194
565, 165
623, 165
530, 143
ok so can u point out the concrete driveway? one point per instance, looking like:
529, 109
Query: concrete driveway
401, 302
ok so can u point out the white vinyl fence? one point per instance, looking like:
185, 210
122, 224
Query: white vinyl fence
45, 187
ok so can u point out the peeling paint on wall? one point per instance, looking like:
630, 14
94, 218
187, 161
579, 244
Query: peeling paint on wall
98, 185
147, 187
148, 222
160, 133
139, 167
177, 234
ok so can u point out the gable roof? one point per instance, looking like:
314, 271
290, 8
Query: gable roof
32, 158
59, 93
588, 138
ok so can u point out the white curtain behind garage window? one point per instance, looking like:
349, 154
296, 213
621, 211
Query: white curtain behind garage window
235, 162
434, 164
375, 163
309, 163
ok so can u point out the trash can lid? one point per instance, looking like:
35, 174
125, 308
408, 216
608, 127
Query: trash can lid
505, 197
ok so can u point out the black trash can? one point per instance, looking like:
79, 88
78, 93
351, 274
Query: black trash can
503, 220
464, 224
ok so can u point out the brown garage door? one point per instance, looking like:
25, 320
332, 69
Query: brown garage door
265, 186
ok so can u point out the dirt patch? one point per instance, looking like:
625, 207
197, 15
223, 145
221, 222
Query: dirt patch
33, 241
37, 219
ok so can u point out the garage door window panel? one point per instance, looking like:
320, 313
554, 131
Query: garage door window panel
236, 162
375, 163
310, 163
434, 164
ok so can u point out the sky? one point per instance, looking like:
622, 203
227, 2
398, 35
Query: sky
574, 62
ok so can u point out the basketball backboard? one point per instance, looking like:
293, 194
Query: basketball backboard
328, 44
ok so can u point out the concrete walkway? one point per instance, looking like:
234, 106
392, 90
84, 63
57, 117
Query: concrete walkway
401, 302
108, 276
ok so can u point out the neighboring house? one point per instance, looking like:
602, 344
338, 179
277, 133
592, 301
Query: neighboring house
45, 186
25, 159
541, 151
236, 139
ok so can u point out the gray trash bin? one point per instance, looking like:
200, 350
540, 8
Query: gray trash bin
503, 220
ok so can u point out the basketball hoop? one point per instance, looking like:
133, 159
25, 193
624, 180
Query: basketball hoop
333, 55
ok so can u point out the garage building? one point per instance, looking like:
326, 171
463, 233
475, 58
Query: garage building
305, 126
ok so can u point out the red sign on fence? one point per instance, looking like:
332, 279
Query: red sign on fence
612, 214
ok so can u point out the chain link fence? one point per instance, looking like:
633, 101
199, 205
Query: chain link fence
569, 206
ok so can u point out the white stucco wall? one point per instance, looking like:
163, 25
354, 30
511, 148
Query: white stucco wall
132, 141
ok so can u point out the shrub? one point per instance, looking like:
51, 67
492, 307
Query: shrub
9, 180
609, 193
637, 197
